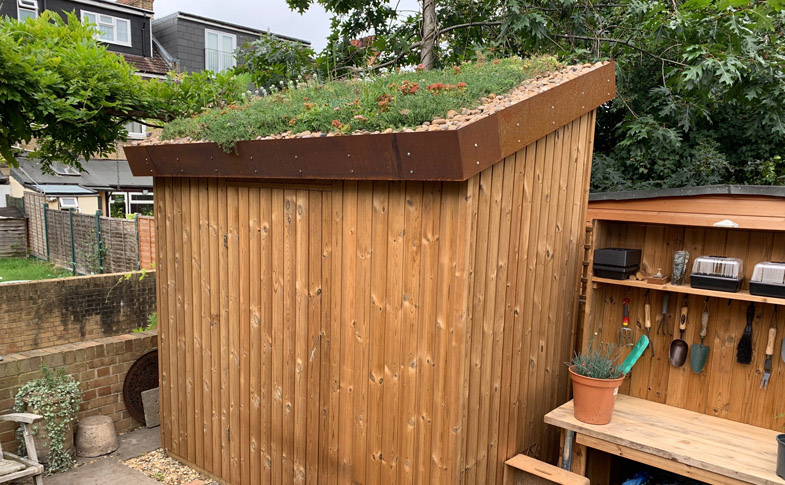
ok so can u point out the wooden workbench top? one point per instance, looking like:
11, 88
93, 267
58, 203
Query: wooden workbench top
739, 451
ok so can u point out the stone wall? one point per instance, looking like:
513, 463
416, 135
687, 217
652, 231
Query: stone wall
41, 314
99, 365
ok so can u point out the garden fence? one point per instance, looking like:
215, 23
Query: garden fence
87, 244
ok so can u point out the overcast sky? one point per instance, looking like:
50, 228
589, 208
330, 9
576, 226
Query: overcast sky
313, 25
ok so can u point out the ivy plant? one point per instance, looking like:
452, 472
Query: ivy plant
56, 396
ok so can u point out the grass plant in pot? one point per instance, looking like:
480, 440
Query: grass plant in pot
595, 383
55, 396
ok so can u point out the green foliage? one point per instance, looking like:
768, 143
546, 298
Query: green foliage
272, 61
597, 363
62, 89
56, 84
55, 396
152, 323
189, 94
395, 100
701, 84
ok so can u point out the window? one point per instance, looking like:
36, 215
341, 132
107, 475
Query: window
68, 203
124, 203
26, 9
136, 131
112, 30
219, 50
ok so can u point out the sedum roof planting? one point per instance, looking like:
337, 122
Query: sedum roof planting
394, 102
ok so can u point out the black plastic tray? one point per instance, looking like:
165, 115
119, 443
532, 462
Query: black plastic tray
614, 272
625, 258
767, 289
718, 283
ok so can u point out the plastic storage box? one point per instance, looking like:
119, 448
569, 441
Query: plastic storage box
717, 273
768, 279
616, 263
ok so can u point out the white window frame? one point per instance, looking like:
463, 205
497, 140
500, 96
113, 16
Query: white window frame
66, 206
26, 6
220, 34
133, 135
115, 21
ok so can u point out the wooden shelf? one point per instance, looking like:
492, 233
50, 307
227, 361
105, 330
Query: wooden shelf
743, 295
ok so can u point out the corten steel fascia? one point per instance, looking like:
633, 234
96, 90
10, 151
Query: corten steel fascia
454, 155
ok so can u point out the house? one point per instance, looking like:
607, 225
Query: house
200, 43
124, 26
105, 185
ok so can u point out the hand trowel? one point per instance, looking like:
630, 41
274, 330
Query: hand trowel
700, 352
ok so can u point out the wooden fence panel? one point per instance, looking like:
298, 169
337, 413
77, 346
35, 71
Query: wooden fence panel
13, 237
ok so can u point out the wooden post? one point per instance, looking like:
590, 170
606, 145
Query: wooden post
98, 240
138, 245
73, 253
46, 230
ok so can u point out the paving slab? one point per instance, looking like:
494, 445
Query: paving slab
109, 469
101, 471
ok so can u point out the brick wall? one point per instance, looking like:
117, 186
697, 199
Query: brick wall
40, 314
99, 365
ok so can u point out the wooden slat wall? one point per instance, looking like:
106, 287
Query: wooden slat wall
725, 388
371, 332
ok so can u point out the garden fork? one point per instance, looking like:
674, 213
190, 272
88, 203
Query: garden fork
625, 332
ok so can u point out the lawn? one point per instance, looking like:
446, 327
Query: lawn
15, 269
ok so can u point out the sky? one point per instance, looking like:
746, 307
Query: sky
313, 25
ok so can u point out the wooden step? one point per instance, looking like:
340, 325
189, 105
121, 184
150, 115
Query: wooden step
550, 473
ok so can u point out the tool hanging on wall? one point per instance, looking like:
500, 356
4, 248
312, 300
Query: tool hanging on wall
625, 332
647, 322
764, 383
744, 349
662, 328
679, 348
700, 353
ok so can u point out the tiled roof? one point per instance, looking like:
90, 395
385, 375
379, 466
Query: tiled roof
148, 65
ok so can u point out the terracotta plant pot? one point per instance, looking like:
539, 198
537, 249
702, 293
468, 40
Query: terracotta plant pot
594, 399
781, 455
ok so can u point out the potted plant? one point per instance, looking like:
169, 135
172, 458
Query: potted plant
595, 382
55, 396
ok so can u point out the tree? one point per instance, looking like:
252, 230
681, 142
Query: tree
272, 61
701, 84
63, 89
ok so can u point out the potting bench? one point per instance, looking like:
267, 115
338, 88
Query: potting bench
694, 445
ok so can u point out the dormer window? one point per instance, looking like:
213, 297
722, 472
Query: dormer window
112, 30
26, 9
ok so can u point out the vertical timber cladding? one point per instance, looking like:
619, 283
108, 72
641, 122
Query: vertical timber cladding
371, 332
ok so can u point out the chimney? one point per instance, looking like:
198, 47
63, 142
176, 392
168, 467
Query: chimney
145, 4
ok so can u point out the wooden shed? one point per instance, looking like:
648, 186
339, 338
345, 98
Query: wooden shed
381, 308
728, 417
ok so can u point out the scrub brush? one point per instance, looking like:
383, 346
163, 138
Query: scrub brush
744, 349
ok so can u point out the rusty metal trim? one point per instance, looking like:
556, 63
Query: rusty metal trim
454, 155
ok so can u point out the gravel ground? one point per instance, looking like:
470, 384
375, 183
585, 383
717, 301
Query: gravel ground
157, 464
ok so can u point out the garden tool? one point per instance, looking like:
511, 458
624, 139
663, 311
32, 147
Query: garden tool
635, 354
647, 321
700, 352
679, 348
662, 328
625, 332
744, 349
764, 383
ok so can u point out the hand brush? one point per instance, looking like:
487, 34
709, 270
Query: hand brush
744, 349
